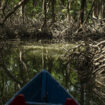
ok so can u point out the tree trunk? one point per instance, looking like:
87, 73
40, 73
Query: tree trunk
53, 10
93, 10
45, 13
102, 8
83, 4
23, 68
21, 11
67, 76
23, 6
96, 9
3, 5
82, 94
68, 9
90, 12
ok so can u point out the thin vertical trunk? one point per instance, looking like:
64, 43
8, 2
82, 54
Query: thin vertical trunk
2, 2
45, 12
102, 8
23, 68
23, 6
53, 10
93, 10
96, 9
21, 13
50, 65
82, 95
66, 81
67, 76
3, 5
90, 12
68, 9
83, 3
2, 87
43, 59
89, 93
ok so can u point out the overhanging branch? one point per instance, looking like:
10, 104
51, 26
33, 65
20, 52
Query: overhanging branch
14, 9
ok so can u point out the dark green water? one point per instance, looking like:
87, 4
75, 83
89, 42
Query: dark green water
21, 61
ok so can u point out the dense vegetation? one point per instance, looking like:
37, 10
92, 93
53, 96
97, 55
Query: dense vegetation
79, 67
58, 19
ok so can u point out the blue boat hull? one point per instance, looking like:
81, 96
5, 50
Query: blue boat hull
43, 88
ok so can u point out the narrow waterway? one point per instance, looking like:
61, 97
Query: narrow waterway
22, 60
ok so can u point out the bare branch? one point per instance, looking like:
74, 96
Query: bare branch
14, 9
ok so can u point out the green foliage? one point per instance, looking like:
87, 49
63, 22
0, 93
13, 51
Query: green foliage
33, 9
